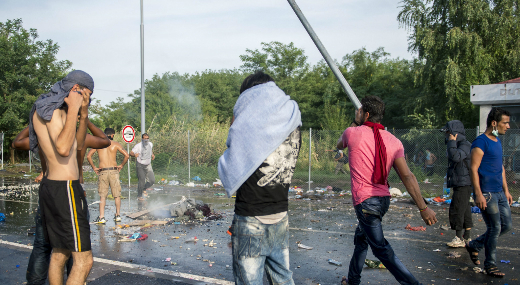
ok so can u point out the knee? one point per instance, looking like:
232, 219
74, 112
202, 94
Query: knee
507, 227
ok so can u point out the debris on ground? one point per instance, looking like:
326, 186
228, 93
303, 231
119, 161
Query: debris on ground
135, 237
374, 264
415, 229
194, 240
444, 227
453, 254
394, 192
334, 262
217, 183
302, 246
505, 261
478, 270
475, 210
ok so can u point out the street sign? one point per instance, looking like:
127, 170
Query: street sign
128, 134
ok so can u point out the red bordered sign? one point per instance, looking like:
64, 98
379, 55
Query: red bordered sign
128, 134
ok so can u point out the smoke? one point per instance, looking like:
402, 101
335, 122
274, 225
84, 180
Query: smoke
188, 103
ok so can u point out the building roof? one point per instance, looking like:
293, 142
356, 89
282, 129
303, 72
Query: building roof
516, 80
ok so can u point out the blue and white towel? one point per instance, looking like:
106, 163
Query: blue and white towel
264, 118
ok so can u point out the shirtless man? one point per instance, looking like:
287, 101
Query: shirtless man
63, 205
38, 267
108, 173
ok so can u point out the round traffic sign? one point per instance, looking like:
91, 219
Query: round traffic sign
128, 134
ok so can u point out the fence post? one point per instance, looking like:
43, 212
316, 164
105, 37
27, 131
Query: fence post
128, 166
478, 131
2, 149
310, 156
189, 158
30, 162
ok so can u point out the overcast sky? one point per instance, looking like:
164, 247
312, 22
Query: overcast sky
102, 37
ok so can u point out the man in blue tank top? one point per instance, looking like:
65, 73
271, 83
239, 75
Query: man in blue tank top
490, 189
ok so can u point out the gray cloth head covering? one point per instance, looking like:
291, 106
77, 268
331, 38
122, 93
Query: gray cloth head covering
48, 102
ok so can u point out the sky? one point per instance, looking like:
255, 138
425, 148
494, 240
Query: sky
102, 37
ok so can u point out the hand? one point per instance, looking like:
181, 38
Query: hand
40, 177
153, 157
74, 100
509, 198
428, 216
481, 202
119, 167
84, 104
453, 137
97, 170
137, 154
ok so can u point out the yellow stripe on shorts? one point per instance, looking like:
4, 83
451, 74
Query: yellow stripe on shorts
75, 215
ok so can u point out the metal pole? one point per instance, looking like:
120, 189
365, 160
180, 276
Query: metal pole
128, 166
189, 158
2, 146
310, 155
143, 129
478, 131
325, 55
30, 162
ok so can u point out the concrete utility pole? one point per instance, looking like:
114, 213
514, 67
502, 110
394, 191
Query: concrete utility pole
143, 129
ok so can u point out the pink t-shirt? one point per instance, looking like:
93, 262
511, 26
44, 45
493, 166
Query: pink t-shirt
361, 154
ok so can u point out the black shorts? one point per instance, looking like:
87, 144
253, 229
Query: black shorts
64, 211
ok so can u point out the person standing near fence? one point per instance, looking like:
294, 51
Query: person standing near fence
263, 145
491, 193
341, 160
457, 178
143, 152
429, 162
372, 153
108, 175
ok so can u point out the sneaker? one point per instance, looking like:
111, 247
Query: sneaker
117, 218
456, 242
100, 220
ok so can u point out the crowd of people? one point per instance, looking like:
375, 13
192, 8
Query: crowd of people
262, 149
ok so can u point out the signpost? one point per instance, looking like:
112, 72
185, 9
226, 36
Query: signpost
128, 136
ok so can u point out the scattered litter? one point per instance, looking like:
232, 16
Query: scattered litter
135, 237
444, 227
217, 183
196, 178
2, 217
505, 261
173, 263
194, 239
168, 259
374, 264
436, 250
515, 205
475, 209
173, 183
394, 192
334, 262
302, 246
415, 229
453, 254
478, 270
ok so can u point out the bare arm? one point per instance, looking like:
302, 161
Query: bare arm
44, 166
83, 120
476, 159
21, 142
89, 158
505, 188
411, 185
125, 159
98, 139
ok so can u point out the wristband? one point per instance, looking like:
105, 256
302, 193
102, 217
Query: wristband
422, 210
355, 123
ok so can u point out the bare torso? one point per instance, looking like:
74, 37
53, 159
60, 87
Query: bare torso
107, 156
58, 167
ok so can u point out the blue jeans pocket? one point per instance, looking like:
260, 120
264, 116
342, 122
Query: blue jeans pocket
248, 238
487, 196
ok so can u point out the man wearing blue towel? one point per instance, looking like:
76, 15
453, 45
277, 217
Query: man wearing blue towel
263, 146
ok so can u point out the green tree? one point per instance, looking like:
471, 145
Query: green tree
28, 68
460, 43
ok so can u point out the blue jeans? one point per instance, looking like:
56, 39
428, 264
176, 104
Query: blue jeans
38, 267
370, 232
258, 247
497, 217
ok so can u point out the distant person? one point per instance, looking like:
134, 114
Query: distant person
457, 176
372, 153
491, 193
429, 162
263, 145
419, 159
108, 175
38, 267
341, 160
64, 210
143, 152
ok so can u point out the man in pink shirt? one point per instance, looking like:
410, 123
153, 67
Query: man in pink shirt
372, 152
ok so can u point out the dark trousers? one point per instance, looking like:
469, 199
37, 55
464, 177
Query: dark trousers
38, 267
145, 177
370, 232
460, 208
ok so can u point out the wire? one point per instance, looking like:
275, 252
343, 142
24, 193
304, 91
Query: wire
114, 91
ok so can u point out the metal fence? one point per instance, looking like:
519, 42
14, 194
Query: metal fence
183, 157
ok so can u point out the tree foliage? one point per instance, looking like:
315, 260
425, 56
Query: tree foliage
460, 43
28, 68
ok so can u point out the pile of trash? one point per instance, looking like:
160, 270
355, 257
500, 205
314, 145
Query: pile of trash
135, 237
318, 192
191, 209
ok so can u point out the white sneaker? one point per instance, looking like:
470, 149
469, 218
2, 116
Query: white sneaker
456, 242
